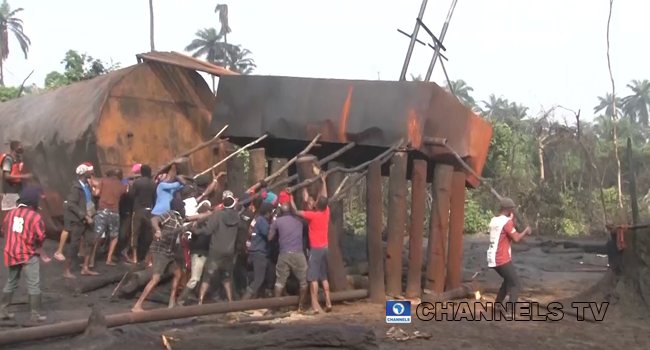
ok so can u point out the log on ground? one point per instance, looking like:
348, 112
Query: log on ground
595, 248
89, 284
137, 280
466, 290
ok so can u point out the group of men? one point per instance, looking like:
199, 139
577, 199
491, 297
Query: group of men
173, 222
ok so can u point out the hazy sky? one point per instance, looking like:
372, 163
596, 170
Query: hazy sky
533, 52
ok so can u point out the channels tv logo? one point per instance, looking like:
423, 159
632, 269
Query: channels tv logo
398, 312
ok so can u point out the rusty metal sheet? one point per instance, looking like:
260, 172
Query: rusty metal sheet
185, 61
373, 114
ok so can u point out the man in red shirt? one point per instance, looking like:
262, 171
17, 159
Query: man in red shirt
318, 242
24, 233
499, 254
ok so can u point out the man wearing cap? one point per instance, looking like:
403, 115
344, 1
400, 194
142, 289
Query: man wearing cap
24, 233
78, 214
222, 226
499, 256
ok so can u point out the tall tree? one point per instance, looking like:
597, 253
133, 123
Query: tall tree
636, 105
10, 23
462, 91
222, 11
494, 107
151, 31
615, 114
208, 45
238, 60
606, 103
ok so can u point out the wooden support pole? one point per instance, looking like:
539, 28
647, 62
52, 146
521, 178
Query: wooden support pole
257, 165
374, 226
307, 167
456, 228
276, 165
441, 192
235, 178
416, 235
336, 271
396, 223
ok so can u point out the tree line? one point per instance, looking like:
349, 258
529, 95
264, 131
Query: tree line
210, 44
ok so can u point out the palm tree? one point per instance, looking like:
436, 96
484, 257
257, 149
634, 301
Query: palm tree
417, 78
636, 105
494, 108
605, 103
222, 11
10, 23
238, 60
153, 47
462, 91
208, 44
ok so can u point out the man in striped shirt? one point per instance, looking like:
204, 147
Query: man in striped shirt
167, 228
24, 233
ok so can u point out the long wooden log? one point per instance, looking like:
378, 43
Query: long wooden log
276, 173
78, 326
195, 149
466, 290
456, 227
236, 176
336, 269
396, 223
377, 291
436, 263
416, 235
137, 280
260, 139
288, 180
307, 168
386, 154
83, 286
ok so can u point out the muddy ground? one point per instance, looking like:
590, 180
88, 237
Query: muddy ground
357, 325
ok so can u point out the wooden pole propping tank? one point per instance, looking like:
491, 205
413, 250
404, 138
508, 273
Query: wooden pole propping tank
275, 165
436, 255
235, 178
183, 166
307, 167
416, 235
377, 291
456, 228
397, 212
257, 165
336, 272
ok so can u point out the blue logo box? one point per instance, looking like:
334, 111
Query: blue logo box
398, 312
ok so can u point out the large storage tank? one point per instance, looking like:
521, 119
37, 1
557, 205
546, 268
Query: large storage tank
146, 113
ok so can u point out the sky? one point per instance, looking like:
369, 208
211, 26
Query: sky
538, 53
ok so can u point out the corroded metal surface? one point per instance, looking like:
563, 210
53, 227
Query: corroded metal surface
146, 113
184, 61
373, 114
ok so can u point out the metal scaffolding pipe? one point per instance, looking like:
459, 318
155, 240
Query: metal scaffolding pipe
414, 37
436, 53
78, 326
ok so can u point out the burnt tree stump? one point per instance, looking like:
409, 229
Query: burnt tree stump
436, 255
396, 223
374, 226
336, 270
257, 164
416, 235
235, 178
456, 227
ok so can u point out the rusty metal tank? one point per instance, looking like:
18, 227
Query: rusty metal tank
146, 113
373, 114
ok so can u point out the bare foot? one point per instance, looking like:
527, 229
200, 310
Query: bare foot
137, 308
58, 256
171, 305
91, 265
68, 275
328, 308
87, 272
109, 263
